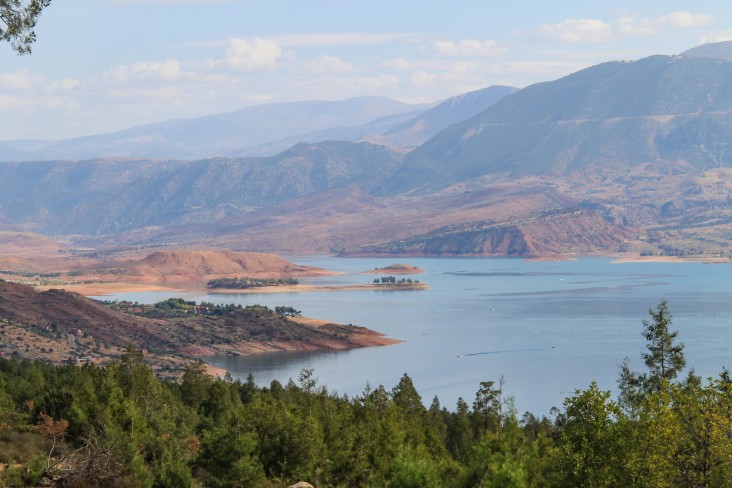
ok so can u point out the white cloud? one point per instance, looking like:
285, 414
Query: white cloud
721, 37
533, 68
369, 84
169, 70
634, 27
338, 39
595, 30
7, 102
62, 86
422, 79
400, 64
685, 19
21, 80
329, 64
577, 30
174, 2
469, 48
251, 55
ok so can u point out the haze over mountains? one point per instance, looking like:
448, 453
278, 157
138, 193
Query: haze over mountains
265, 130
632, 156
603, 120
251, 131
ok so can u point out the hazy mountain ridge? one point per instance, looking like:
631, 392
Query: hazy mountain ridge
620, 156
714, 50
252, 131
428, 124
108, 196
601, 120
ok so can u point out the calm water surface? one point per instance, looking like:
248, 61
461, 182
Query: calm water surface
547, 327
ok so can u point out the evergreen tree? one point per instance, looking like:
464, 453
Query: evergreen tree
17, 22
664, 359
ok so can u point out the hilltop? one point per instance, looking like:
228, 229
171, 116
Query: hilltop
99, 273
187, 264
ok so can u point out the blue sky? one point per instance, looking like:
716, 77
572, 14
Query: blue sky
103, 65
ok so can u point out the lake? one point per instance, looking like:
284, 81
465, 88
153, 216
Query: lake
547, 328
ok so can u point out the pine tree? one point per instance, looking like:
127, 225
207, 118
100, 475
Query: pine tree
664, 359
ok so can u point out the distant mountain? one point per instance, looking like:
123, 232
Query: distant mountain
251, 131
599, 121
112, 195
622, 156
428, 124
360, 133
715, 50
19, 150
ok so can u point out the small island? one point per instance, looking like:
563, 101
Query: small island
246, 282
391, 283
399, 269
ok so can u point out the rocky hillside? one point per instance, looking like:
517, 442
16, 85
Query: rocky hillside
600, 121
428, 124
55, 325
620, 156
715, 50
110, 196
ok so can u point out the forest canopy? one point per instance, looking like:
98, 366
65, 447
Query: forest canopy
118, 425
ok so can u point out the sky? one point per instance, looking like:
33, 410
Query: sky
105, 65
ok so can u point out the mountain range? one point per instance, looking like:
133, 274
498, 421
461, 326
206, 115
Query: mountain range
622, 156
258, 130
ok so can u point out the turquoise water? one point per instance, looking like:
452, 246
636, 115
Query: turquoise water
547, 327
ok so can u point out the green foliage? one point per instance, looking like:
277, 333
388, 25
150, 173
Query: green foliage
664, 359
415, 468
120, 426
287, 311
244, 283
17, 20
391, 280
175, 304
590, 442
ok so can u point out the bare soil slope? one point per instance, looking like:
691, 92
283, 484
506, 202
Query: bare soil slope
204, 263
56, 324
27, 244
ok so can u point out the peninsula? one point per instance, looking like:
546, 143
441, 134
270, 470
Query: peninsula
58, 326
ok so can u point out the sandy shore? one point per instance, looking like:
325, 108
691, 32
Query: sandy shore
359, 337
215, 371
101, 289
314, 288
671, 259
